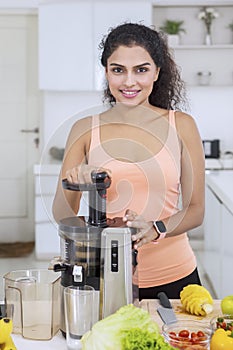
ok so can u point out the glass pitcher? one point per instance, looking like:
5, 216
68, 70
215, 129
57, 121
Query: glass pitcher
32, 299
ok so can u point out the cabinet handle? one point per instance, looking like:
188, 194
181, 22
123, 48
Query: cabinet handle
35, 130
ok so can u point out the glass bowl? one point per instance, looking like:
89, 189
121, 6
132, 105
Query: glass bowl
187, 334
222, 321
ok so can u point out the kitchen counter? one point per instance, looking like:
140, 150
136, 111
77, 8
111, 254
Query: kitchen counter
221, 183
59, 343
219, 164
152, 305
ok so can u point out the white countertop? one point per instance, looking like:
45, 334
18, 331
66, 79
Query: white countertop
217, 164
221, 183
58, 342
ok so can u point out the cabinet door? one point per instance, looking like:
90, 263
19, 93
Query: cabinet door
43, 209
212, 240
65, 46
212, 221
47, 241
227, 252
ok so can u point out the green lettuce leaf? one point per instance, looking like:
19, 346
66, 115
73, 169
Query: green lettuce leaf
130, 328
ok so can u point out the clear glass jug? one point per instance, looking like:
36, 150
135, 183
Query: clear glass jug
33, 301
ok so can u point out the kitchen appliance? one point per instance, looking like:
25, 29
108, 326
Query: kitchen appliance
97, 251
165, 311
211, 148
32, 300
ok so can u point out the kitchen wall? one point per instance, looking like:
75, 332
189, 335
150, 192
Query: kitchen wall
70, 75
60, 107
212, 110
60, 111
209, 105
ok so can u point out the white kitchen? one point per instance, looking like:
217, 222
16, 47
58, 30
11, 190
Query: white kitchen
51, 76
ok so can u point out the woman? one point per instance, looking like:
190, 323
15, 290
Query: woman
153, 153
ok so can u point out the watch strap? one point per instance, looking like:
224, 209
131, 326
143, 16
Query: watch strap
161, 234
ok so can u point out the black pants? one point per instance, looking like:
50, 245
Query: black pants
172, 289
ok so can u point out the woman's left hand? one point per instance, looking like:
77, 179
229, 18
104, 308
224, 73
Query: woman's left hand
146, 232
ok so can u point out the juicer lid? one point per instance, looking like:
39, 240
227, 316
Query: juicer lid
75, 224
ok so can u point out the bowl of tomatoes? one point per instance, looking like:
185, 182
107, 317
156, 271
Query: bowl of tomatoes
188, 335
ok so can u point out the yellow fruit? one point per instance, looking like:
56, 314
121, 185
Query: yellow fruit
227, 305
196, 300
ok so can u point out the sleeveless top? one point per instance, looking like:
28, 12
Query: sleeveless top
152, 189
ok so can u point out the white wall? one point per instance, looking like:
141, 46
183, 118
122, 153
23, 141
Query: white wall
212, 109
210, 106
60, 110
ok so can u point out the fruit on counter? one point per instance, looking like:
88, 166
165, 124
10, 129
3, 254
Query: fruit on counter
227, 305
196, 300
221, 340
6, 342
129, 328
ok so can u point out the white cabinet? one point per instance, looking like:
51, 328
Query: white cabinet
192, 55
227, 252
47, 242
212, 239
218, 231
65, 46
69, 35
212, 224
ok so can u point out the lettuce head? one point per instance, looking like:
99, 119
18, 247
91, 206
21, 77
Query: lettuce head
129, 328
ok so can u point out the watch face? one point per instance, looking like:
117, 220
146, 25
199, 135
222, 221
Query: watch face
161, 227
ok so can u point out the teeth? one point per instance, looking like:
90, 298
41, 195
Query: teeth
129, 92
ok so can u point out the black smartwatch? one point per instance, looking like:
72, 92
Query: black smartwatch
161, 229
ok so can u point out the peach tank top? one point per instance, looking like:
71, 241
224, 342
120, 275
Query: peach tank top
151, 188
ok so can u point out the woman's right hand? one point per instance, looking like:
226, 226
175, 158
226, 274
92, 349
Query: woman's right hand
82, 173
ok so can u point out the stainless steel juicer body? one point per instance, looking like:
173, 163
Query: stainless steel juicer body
97, 251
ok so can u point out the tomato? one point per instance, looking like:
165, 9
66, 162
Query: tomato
200, 334
184, 333
195, 340
172, 335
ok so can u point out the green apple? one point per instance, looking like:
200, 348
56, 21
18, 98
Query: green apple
227, 305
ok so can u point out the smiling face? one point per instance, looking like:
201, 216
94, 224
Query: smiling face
131, 73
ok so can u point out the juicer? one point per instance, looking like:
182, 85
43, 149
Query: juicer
97, 251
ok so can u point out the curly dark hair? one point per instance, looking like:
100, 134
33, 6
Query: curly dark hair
169, 89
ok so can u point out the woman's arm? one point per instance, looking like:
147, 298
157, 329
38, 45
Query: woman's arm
192, 178
66, 203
